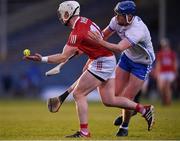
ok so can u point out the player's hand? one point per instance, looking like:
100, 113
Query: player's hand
94, 36
37, 57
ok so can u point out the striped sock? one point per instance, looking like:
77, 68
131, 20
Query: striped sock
84, 129
140, 108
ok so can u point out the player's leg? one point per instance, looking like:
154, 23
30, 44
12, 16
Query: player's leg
106, 90
121, 79
168, 88
168, 93
87, 83
161, 80
123, 71
99, 70
139, 73
133, 87
108, 98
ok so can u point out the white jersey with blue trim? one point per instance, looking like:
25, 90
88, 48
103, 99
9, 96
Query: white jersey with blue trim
139, 36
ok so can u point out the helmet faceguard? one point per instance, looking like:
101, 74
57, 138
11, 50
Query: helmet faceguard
67, 10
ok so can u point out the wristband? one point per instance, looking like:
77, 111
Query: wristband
44, 59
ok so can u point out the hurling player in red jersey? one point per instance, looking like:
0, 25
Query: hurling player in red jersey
166, 71
100, 72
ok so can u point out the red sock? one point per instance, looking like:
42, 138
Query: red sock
140, 108
84, 128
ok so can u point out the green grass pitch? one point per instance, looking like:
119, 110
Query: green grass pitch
30, 120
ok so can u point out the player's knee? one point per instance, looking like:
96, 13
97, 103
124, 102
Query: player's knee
77, 94
108, 103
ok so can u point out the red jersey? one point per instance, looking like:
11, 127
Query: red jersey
167, 61
79, 38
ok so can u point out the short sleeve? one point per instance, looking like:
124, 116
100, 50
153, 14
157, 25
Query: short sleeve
112, 24
134, 35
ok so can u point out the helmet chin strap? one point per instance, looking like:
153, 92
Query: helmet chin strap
66, 24
127, 20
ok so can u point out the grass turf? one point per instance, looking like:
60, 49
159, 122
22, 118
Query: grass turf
30, 120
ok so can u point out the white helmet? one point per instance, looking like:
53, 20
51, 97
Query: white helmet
67, 10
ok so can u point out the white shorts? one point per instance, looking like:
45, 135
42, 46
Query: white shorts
103, 67
167, 76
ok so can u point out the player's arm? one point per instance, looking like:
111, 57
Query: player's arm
68, 51
107, 32
121, 46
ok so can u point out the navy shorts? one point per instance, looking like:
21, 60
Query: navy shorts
139, 70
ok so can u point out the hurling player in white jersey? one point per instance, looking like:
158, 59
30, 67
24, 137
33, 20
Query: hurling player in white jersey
137, 54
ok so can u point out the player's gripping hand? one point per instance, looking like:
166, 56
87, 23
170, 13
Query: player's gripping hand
37, 57
94, 36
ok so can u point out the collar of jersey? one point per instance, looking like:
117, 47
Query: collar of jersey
75, 22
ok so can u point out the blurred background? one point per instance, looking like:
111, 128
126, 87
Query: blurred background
33, 24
